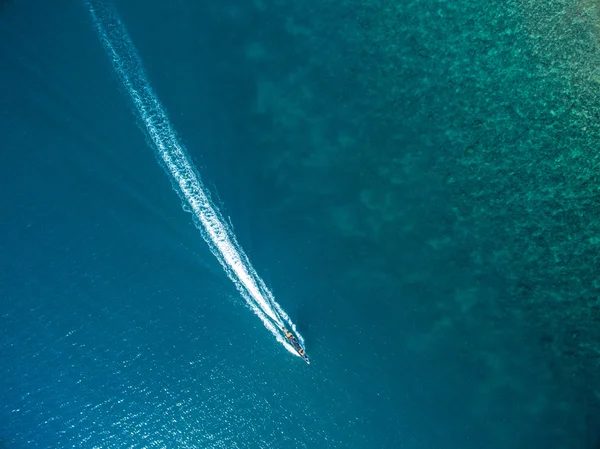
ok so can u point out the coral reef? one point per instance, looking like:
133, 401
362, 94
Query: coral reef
451, 151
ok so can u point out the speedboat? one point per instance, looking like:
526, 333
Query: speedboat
296, 344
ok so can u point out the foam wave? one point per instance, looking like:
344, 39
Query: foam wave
183, 175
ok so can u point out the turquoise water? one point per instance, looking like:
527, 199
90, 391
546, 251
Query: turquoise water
413, 182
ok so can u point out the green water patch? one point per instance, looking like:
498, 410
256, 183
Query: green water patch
449, 151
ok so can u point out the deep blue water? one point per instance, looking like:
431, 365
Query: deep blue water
119, 327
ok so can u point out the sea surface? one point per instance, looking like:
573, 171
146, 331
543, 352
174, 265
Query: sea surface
416, 182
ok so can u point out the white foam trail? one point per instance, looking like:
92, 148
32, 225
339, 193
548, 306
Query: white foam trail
184, 177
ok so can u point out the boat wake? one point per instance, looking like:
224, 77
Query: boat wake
183, 175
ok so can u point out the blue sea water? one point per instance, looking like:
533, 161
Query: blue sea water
119, 327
